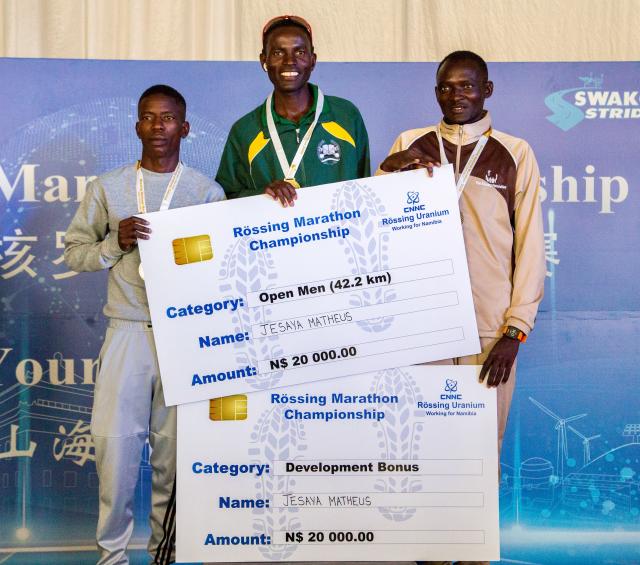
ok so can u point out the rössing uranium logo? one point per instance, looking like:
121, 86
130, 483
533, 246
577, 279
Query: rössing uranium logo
413, 202
450, 390
450, 385
591, 101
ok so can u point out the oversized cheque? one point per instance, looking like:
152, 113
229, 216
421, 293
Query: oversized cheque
397, 465
357, 276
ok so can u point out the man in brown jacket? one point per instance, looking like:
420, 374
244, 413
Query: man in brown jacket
498, 182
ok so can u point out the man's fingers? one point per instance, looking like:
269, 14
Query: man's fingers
491, 371
271, 193
135, 231
290, 192
391, 163
501, 373
491, 376
483, 372
496, 376
283, 192
287, 194
429, 166
142, 229
283, 196
130, 230
396, 162
134, 220
507, 372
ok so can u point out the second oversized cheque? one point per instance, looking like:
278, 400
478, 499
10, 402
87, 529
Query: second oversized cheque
358, 276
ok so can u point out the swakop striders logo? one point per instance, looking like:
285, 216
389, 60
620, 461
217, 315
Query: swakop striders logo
590, 101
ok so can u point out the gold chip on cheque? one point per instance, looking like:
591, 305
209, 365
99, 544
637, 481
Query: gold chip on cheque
228, 408
192, 249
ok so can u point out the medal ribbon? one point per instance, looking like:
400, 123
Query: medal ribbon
473, 159
289, 170
166, 199
168, 195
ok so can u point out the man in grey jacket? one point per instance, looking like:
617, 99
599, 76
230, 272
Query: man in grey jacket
128, 398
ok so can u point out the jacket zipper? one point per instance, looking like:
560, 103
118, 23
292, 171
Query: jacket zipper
458, 151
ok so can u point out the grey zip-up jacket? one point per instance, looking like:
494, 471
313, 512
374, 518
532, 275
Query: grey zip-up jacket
91, 241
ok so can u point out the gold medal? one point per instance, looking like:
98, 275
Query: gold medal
289, 169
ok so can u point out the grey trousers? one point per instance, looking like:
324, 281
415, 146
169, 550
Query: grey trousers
128, 405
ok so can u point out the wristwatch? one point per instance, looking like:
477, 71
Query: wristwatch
514, 333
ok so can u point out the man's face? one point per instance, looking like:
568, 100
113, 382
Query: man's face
161, 125
461, 91
289, 58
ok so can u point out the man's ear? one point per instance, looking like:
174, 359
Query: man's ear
314, 59
186, 127
488, 89
138, 129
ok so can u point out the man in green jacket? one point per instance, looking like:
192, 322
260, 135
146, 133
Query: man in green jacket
297, 137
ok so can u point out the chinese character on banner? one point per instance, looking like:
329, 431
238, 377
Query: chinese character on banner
13, 450
60, 260
76, 445
550, 252
17, 256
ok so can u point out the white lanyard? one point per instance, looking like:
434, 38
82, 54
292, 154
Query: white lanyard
290, 170
166, 199
168, 195
473, 159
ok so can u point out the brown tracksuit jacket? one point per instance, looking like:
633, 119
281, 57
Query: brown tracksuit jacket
502, 220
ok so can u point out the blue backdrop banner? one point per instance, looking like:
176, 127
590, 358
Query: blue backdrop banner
569, 489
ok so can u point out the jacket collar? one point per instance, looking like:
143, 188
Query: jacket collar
284, 124
470, 132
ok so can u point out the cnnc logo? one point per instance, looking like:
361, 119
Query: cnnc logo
589, 101
413, 199
450, 388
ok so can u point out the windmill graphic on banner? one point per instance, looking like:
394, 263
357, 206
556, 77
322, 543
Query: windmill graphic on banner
586, 444
561, 427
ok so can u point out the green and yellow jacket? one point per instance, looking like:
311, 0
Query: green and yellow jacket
338, 150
